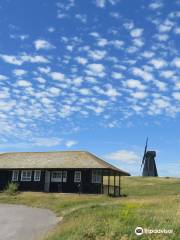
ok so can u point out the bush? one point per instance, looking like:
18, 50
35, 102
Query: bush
11, 189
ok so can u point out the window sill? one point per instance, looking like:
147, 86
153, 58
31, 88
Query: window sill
25, 180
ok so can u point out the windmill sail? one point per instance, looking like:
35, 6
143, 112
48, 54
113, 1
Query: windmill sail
145, 150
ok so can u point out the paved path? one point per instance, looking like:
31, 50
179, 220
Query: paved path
24, 223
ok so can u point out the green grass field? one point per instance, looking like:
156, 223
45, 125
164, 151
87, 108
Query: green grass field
152, 203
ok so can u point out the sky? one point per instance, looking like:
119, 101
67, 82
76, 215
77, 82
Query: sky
97, 75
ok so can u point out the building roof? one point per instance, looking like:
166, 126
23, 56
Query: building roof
54, 160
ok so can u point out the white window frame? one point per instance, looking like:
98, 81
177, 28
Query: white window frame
37, 175
77, 176
15, 175
64, 176
25, 177
54, 177
96, 176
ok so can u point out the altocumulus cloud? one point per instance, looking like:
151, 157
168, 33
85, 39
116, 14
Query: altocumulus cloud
43, 44
71, 143
129, 157
47, 142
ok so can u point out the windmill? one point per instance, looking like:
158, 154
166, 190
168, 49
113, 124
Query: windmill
148, 163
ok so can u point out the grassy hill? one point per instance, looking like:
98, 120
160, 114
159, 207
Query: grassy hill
152, 203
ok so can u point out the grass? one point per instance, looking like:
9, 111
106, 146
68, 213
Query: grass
11, 189
152, 203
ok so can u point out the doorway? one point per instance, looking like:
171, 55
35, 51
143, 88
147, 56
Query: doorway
47, 181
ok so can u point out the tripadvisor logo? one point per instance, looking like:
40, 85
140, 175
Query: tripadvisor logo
139, 231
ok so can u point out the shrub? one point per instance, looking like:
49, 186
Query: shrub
11, 189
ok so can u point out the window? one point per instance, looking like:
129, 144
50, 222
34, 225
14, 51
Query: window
15, 175
77, 176
26, 175
64, 176
37, 175
56, 176
96, 176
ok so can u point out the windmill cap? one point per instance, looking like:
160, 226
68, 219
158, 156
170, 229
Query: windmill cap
152, 153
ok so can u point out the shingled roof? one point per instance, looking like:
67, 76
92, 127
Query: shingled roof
54, 160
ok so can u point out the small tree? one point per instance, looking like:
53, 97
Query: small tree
11, 189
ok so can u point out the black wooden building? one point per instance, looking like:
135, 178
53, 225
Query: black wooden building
65, 171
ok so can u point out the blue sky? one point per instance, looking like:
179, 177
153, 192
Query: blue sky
97, 75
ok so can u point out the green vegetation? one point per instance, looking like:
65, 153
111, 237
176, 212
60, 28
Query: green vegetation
11, 189
152, 203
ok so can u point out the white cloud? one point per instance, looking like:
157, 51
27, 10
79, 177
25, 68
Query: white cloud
176, 95
147, 76
97, 54
47, 142
46, 101
111, 92
148, 54
129, 157
61, 15
155, 5
81, 60
57, 76
117, 43
54, 91
51, 29
115, 15
101, 3
40, 79
158, 63
137, 32
21, 37
43, 44
139, 95
113, 2
132, 49
81, 17
161, 85
128, 25
177, 30
164, 28
84, 91
44, 69
34, 59
117, 75
161, 103
177, 85
138, 42
137, 108
96, 69
162, 37
71, 143
167, 74
11, 59
94, 73
175, 14
3, 77
102, 42
176, 62
7, 105
94, 34
132, 83
23, 83
77, 81
96, 109
4, 94
19, 72
19, 60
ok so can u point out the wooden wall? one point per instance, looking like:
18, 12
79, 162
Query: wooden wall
68, 187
